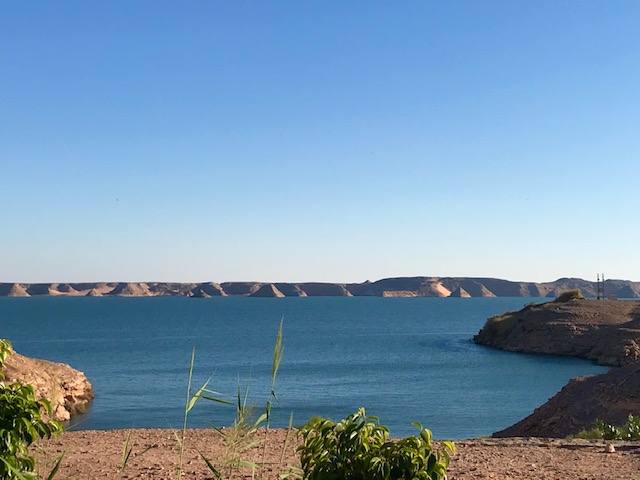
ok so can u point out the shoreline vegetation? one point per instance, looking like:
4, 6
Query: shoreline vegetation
607, 332
456, 287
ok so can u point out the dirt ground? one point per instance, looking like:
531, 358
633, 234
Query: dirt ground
98, 455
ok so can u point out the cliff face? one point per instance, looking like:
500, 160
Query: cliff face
610, 397
607, 332
387, 287
67, 389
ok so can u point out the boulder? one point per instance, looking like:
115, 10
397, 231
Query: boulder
66, 388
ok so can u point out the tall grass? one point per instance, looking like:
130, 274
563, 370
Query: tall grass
202, 393
239, 439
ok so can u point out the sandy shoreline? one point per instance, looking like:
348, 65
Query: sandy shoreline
97, 455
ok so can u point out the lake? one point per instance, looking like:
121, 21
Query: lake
404, 359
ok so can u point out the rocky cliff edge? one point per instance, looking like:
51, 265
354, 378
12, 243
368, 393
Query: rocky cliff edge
66, 388
607, 332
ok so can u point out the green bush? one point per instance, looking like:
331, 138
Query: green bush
358, 448
21, 423
630, 431
569, 295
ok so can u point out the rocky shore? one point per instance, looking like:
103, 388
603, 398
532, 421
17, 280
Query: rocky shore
607, 332
66, 388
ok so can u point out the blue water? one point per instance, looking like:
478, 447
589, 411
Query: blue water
404, 359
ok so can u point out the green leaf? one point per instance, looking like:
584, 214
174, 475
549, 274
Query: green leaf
211, 466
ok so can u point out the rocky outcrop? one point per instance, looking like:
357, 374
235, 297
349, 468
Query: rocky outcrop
93, 293
131, 290
63, 288
67, 389
290, 290
268, 290
605, 331
460, 293
211, 289
318, 289
13, 290
198, 293
240, 288
609, 397
473, 287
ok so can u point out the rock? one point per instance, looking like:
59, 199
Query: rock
67, 389
199, 293
240, 288
17, 290
609, 397
211, 289
291, 290
268, 290
460, 293
318, 289
605, 331
131, 290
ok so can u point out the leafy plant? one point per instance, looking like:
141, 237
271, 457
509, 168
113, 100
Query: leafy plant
630, 431
21, 423
358, 448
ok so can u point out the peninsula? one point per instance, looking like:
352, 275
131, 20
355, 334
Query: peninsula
606, 332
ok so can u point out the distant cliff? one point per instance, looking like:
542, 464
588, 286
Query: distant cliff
461, 287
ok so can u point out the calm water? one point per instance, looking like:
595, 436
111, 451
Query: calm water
404, 359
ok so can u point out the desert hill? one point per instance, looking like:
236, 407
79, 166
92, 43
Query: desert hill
386, 287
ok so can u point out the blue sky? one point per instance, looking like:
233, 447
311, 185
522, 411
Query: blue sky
318, 141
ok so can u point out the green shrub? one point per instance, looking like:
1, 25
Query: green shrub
358, 448
569, 295
630, 431
21, 423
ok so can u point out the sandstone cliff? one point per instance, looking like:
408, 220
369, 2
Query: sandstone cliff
268, 290
386, 287
210, 289
67, 389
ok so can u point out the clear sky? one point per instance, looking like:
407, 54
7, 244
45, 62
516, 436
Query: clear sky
318, 140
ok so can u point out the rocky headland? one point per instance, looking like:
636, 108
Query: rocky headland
605, 331
66, 388
461, 287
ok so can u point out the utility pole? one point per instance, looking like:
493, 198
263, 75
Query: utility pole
600, 286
